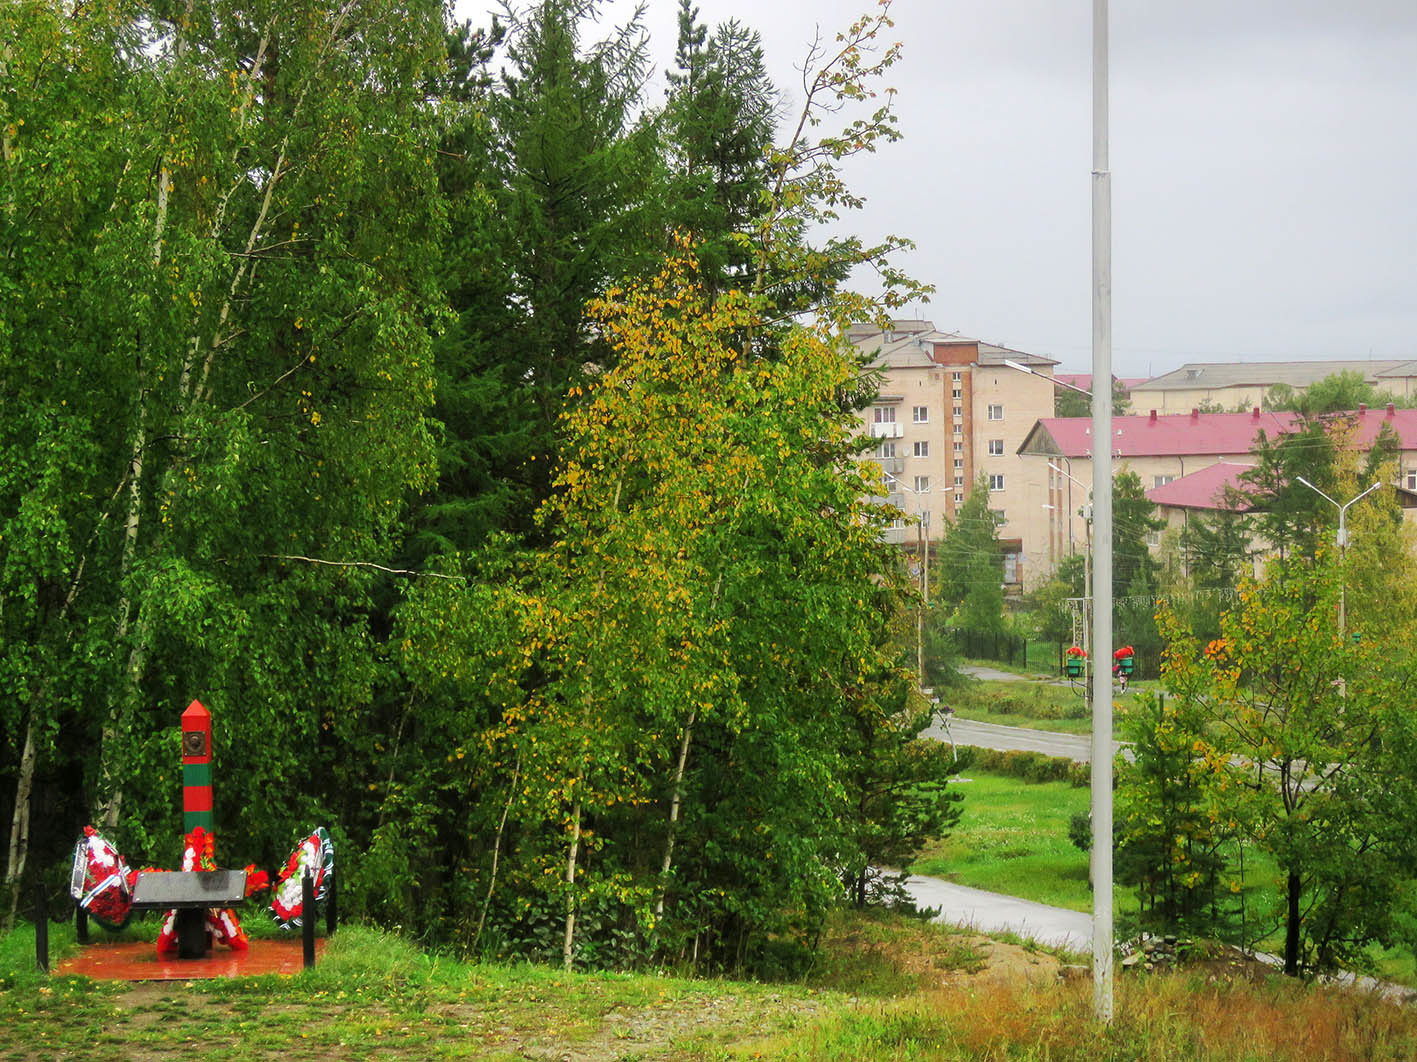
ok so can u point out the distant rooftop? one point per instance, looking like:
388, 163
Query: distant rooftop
1205, 489
907, 343
1212, 434
1212, 374
1083, 380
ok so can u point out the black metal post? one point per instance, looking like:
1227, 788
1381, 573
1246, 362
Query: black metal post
307, 918
41, 927
331, 911
81, 923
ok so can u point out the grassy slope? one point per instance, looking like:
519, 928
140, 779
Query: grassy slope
1037, 705
1013, 838
885, 988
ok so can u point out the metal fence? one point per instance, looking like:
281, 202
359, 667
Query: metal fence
1038, 654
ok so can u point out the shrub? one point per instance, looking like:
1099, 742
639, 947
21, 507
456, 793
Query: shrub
1032, 766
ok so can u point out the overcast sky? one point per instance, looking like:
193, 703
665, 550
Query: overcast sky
1263, 152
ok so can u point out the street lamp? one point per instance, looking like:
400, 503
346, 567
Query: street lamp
1341, 540
922, 525
1087, 547
1021, 367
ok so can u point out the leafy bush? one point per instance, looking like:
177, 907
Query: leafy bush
1032, 766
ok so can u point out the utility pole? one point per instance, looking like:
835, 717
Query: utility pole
920, 527
1102, 520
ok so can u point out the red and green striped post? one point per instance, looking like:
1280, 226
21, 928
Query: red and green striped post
196, 768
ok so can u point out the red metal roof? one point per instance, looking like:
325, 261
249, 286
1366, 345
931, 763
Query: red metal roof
1205, 489
1183, 434
1084, 380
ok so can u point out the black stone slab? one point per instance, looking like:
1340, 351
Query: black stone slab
161, 890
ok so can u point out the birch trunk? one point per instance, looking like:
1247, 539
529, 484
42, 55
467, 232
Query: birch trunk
24, 787
20, 822
675, 800
496, 853
568, 946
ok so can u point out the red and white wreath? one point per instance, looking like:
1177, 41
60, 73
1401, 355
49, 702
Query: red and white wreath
317, 853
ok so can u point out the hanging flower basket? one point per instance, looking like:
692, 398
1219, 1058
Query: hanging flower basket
1074, 661
1126, 660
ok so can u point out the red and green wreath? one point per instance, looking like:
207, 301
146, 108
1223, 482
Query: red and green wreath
315, 853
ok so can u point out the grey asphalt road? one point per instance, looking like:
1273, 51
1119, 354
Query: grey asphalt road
980, 672
991, 912
993, 736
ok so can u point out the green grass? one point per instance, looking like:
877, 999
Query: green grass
884, 986
1012, 837
1040, 706
375, 993
1031, 704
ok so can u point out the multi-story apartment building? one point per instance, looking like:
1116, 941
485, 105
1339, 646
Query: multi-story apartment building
949, 411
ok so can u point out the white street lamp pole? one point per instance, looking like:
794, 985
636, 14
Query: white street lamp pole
1102, 525
923, 537
1086, 559
1342, 541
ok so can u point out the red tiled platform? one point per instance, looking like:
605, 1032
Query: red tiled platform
139, 961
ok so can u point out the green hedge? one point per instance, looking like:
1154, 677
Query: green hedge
1032, 766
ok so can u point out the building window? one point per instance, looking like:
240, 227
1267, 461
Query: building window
996, 447
998, 515
920, 414
996, 482
959, 499
887, 449
959, 462
885, 414
996, 412
957, 375
1153, 538
959, 430
1160, 481
922, 449
898, 522
959, 393
922, 484
1011, 560
1412, 479
959, 411
959, 482
959, 447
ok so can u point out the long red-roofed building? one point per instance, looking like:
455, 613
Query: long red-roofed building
1163, 449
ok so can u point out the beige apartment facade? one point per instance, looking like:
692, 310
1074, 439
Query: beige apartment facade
949, 411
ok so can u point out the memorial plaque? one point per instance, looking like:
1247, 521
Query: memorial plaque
166, 889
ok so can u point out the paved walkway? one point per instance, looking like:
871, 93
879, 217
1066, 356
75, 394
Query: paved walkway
982, 671
992, 912
1009, 738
